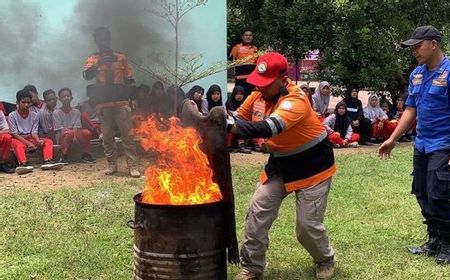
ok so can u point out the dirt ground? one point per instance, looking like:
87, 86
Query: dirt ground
82, 174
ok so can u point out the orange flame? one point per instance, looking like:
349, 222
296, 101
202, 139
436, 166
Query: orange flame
181, 174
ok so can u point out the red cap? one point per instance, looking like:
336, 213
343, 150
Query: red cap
269, 67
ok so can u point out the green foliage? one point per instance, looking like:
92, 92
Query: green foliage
359, 39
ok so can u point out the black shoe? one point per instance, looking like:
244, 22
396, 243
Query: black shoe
51, 165
6, 168
23, 168
64, 159
444, 254
87, 158
257, 149
429, 248
244, 150
432, 246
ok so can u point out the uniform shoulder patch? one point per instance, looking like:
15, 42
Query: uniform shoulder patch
286, 105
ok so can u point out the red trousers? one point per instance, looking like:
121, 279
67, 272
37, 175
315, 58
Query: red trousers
384, 132
82, 135
5, 146
87, 123
335, 138
20, 148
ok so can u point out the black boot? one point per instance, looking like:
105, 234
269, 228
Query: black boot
432, 246
444, 254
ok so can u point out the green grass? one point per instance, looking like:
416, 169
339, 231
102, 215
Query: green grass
81, 233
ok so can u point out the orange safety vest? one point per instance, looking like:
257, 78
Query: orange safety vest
301, 153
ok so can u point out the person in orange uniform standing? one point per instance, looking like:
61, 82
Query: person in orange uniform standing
245, 54
112, 73
301, 161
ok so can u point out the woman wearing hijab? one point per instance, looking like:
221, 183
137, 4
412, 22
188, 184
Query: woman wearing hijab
159, 99
236, 99
321, 100
386, 106
196, 94
305, 88
381, 128
339, 128
214, 97
359, 123
233, 103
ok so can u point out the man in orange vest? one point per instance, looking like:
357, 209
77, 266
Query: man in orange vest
245, 54
301, 161
113, 75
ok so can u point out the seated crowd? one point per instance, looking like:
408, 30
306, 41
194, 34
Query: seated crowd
350, 123
33, 123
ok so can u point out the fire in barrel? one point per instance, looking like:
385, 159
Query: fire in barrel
180, 217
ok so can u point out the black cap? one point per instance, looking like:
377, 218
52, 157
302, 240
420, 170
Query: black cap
426, 32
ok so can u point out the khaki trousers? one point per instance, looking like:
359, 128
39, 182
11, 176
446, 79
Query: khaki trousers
119, 117
311, 204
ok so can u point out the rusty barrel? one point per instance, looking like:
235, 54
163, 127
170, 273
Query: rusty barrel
179, 242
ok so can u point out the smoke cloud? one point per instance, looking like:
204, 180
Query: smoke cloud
34, 53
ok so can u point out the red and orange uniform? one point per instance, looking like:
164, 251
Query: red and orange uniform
297, 149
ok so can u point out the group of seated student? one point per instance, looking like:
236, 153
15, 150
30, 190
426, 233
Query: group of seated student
351, 124
394, 114
157, 101
38, 124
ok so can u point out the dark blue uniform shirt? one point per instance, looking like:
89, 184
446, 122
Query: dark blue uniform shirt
429, 94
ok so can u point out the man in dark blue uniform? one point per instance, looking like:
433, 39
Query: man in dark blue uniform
429, 103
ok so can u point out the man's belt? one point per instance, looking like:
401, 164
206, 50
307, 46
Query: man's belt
109, 93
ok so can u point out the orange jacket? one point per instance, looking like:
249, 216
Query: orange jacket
121, 71
301, 152
241, 51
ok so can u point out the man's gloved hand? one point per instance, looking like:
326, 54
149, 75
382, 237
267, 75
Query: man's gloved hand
107, 58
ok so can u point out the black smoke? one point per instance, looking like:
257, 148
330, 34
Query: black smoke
32, 54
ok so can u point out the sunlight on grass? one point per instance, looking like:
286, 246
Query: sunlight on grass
81, 233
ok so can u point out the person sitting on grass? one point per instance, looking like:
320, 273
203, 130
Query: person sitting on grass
196, 94
5, 144
355, 111
36, 103
24, 128
397, 111
67, 124
143, 103
381, 129
321, 100
90, 119
45, 115
214, 97
159, 101
233, 103
386, 106
307, 90
339, 128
